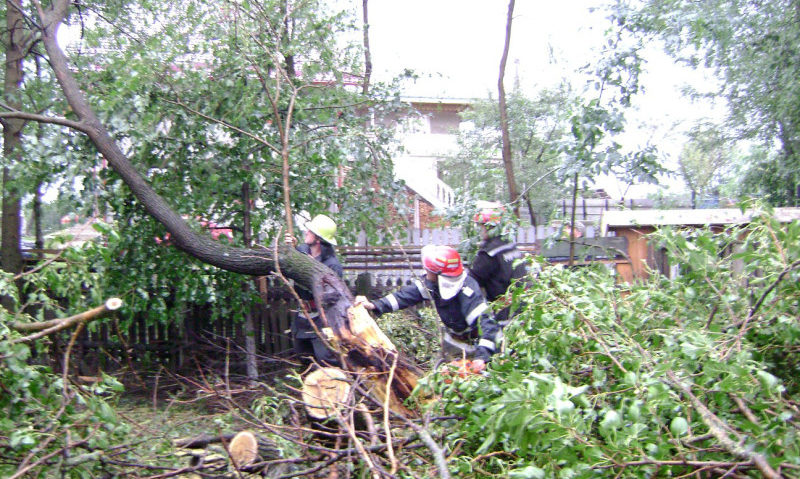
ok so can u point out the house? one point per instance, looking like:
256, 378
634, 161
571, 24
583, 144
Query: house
427, 135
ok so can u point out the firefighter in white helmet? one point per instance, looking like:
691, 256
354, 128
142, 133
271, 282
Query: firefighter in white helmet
319, 239
470, 328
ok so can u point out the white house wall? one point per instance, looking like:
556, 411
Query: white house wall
427, 139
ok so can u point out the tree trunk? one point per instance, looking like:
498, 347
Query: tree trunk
367, 53
12, 131
508, 161
249, 327
331, 294
36, 216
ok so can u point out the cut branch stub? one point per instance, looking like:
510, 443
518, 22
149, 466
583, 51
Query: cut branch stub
243, 449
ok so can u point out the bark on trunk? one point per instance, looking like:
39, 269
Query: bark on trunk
11, 260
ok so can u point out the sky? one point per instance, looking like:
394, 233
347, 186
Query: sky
456, 46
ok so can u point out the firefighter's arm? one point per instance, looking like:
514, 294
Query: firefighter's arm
404, 297
489, 338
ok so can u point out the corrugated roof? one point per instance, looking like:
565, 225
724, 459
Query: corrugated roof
688, 217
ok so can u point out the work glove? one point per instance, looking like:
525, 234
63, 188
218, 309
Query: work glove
290, 240
362, 300
464, 367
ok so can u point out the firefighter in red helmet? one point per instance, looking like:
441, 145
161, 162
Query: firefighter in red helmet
470, 327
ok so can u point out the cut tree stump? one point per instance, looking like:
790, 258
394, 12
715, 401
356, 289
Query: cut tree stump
243, 449
368, 352
325, 391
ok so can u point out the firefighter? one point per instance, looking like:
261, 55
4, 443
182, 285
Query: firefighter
470, 328
496, 265
318, 242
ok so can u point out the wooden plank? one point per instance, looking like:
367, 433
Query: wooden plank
174, 339
141, 329
275, 328
258, 323
284, 323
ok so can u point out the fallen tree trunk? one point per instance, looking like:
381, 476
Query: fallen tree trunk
367, 352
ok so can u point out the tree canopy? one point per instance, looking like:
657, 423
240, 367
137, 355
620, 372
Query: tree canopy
752, 47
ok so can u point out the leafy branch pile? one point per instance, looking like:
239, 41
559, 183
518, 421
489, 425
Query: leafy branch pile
662, 378
668, 377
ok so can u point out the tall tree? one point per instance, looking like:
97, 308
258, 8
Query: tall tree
508, 160
16, 42
536, 127
703, 160
330, 293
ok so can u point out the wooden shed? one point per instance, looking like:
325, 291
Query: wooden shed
634, 225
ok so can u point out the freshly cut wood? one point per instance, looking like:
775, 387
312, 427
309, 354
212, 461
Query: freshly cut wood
404, 377
243, 449
325, 391
363, 326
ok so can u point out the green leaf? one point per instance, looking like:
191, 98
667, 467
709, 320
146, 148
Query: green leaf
527, 472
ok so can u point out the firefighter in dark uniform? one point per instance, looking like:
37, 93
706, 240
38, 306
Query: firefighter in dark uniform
318, 242
494, 266
470, 328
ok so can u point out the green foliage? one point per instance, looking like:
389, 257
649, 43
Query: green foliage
204, 117
594, 371
752, 48
41, 417
592, 150
704, 160
416, 333
195, 96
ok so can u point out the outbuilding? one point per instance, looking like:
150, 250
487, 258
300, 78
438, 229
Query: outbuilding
635, 225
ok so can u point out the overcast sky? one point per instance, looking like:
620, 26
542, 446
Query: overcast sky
462, 40
456, 46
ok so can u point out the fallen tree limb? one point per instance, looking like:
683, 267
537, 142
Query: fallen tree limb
718, 427
49, 327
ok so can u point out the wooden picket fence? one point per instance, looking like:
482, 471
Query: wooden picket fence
196, 338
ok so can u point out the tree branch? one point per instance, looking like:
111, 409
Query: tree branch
49, 327
718, 428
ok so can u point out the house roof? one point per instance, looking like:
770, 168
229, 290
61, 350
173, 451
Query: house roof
686, 217
439, 104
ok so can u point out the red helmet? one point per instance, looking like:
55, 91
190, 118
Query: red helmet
489, 213
442, 260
